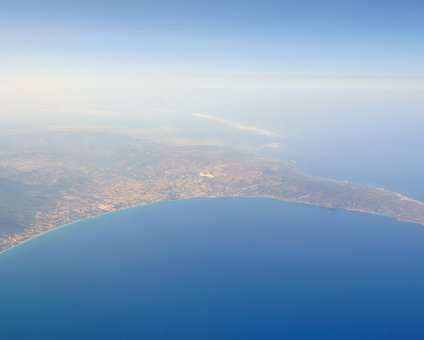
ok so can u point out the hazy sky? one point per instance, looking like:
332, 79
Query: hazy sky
258, 64
308, 37
337, 85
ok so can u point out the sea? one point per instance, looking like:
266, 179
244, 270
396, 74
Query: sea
222, 268
240, 268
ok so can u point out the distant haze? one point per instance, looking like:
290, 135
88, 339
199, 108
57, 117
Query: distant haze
337, 86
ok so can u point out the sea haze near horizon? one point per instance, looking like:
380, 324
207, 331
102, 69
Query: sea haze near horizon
361, 129
214, 268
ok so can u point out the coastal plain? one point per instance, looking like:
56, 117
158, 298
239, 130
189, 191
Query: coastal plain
54, 177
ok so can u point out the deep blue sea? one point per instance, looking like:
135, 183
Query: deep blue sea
218, 268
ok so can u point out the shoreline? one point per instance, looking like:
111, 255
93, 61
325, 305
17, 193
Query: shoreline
69, 224
199, 197
100, 215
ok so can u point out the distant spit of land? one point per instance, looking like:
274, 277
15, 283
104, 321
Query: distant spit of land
51, 178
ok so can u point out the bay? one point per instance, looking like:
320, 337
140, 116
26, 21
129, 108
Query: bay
218, 268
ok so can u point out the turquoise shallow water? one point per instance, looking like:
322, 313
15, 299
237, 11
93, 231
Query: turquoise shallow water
218, 268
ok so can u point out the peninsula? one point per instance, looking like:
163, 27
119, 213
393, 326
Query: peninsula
51, 178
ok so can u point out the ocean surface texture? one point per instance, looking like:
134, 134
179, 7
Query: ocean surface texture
218, 268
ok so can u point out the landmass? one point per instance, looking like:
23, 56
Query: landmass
51, 178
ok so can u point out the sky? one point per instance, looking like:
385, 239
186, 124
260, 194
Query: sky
294, 37
337, 85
